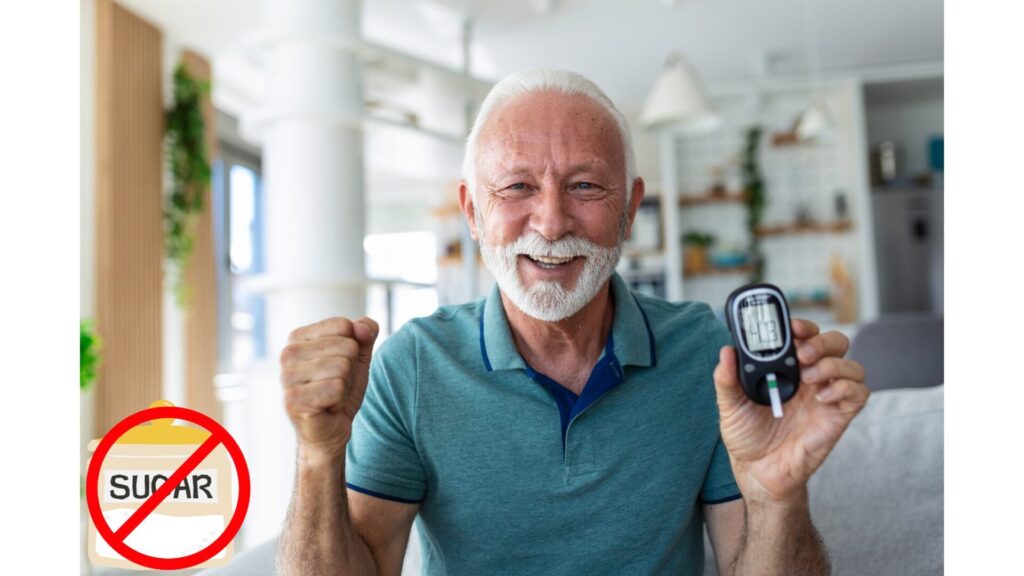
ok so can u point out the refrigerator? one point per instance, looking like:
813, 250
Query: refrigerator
908, 226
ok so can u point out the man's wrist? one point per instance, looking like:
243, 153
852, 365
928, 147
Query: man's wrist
778, 515
797, 501
781, 539
312, 460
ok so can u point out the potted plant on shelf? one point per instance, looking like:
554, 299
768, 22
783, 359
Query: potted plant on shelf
697, 246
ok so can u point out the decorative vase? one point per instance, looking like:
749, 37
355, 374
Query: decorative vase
696, 259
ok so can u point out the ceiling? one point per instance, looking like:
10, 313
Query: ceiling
620, 45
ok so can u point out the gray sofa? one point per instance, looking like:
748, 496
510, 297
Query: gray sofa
877, 500
901, 351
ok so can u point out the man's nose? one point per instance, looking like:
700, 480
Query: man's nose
551, 218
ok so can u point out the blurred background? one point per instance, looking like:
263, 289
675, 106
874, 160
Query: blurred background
794, 141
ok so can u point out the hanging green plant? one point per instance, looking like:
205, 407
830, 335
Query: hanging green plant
89, 354
754, 192
190, 174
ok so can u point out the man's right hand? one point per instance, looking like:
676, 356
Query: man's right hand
324, 370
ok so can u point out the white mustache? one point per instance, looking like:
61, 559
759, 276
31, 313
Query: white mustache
533, 244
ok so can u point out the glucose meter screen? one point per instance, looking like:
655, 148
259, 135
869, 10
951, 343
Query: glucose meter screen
762, 327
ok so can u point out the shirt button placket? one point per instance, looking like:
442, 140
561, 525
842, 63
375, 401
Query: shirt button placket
579, 455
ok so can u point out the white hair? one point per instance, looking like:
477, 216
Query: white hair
539, 80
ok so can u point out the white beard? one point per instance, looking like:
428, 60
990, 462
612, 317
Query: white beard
547, 300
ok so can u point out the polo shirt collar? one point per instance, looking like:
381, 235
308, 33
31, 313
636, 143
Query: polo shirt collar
633, 341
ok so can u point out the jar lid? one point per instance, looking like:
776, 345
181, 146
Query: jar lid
163, 431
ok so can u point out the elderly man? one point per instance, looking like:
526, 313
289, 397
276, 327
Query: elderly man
562, 425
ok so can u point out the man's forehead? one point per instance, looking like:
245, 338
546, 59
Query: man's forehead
534, 114
525, 126
511, 163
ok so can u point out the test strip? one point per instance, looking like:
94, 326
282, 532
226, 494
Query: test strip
773, 394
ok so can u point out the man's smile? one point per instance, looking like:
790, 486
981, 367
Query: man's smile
534, 267
550, 262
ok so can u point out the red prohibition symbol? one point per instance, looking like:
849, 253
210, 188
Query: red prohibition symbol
218, 435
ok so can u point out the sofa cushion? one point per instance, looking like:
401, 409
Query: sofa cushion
900, 351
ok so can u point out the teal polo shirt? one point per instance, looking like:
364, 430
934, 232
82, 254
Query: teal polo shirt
515, 475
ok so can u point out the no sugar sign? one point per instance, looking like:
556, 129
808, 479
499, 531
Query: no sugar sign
161, 495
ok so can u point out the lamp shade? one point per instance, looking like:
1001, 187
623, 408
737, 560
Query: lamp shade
678, 98
814, 123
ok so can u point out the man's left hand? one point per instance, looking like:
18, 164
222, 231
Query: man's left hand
772, 458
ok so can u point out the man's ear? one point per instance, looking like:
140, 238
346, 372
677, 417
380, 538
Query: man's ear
468, 208
634, 203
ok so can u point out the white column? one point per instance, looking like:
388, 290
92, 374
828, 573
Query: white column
670, 216
313, 188
856, 148
313, 165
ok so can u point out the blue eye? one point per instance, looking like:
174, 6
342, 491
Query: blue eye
517, 186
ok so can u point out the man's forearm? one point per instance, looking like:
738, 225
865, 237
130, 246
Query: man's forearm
781, 539
318, 536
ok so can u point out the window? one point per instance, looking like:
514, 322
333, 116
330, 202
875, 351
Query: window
402, 268
238, 213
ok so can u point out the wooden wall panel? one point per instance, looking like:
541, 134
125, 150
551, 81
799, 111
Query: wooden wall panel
129, 251
201, 317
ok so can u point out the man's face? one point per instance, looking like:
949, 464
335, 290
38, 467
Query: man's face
550, 209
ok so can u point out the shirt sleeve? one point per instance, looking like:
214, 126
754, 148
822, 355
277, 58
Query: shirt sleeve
381, 458
719, 483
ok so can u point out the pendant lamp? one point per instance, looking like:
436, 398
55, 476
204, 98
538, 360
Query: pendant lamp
678, 100
815, 121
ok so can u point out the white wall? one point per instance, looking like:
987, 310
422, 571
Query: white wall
394, 217
645, 146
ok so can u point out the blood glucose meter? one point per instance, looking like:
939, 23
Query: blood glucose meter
758, 317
